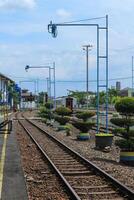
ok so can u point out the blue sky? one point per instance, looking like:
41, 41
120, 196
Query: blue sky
24, 39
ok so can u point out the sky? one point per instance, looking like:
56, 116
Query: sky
24, 40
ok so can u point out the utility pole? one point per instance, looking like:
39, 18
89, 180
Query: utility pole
132, 76
87, 48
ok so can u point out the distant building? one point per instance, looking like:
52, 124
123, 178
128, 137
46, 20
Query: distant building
118, 85
28, 99
66, 101
4, 82
126, 92
112, 87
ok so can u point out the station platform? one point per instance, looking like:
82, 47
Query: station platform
12, 181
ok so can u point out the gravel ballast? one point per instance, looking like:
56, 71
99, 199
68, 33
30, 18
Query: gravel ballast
41, 181
108, 161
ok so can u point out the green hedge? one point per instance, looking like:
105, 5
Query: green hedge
122, 122
83, 126
63, 111
48, 105
45, 113
125, 106
85, 115
62, 120
125, 144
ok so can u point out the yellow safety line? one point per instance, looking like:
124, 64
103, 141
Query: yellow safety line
2, 162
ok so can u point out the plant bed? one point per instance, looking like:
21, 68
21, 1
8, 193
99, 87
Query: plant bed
126, 151
85, 125
126, 143
103, 140
83, 136
66, 128
127, 157
62, 120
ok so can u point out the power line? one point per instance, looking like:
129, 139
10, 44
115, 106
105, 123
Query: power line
78, 81
82, 20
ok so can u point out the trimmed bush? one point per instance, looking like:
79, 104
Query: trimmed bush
119, 131
62, 120
63, 111
122, 122
49, 105
125, 106
125, 144
83, 126
85, 115
45, 113
115, 114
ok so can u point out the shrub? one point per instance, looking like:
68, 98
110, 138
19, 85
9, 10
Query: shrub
63, 111
45, 113
115, 114
83, 126
85, 115
49, 105
122, 122
125, 106
125, 144
119, 131
62, 120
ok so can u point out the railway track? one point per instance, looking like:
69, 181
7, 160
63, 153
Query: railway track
82, 179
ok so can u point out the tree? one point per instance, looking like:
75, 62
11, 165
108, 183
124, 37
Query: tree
84, 125
41, 97
13, 93
125, 106
112, 97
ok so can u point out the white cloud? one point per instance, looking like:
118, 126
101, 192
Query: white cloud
63, 13
15, 4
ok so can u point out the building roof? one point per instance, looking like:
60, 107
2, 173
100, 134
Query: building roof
5, 77
126, 89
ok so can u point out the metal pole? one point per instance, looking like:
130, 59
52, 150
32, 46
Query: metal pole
132, 75
98, 97
48, 86
106, 73
86, 47
50, 83
37, 92
54, 87
20, 95
87, 73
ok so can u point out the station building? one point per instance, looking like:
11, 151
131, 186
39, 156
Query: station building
28, 99
127, 92
4, 82
66, 101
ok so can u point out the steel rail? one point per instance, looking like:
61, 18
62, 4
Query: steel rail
70, 190
122, 188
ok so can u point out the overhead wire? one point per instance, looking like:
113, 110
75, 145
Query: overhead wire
77, 81
82, 20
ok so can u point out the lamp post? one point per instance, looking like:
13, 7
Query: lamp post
50, 81
132, 76
87, 48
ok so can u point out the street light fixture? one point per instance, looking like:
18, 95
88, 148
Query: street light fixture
26, 68
87, 48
